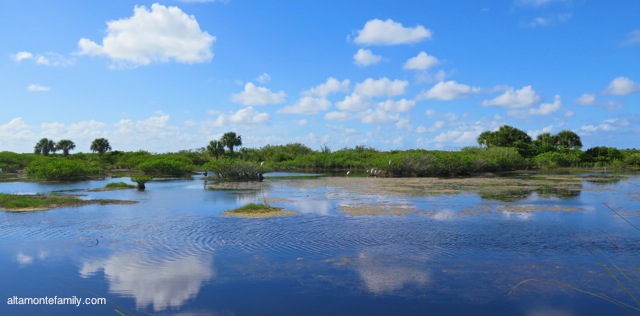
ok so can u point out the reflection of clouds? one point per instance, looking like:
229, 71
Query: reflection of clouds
316, 206
163, 284
525, 216
24, 259
385, 273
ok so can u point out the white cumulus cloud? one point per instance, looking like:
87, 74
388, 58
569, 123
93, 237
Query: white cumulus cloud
161, 34
263, 78
20, 56
365, 57
520, 98
586, 99
332, 85
381, 87
422, 61
543, 109
337, 116
449, 90
622, 86
37, 88
389, 32
253, 95
402, 105
307, 105
246, 116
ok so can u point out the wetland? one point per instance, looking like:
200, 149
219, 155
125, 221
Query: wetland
521, 244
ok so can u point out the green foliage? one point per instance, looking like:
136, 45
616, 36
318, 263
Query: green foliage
56, 168
65, 145
230, 140
141, 180
632, 160
236, 170
19, 201
167, 164
44, 147
215, 148
100, 145
602, 156
550, 160
507, 136
119, 185
10, 161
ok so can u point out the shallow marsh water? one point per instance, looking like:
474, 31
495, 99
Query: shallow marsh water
357, 246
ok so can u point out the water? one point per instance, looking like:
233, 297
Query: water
459, 253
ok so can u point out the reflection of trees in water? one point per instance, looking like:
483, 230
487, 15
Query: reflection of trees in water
164, 284
545, 192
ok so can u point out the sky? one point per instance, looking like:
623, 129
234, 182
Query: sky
164, 76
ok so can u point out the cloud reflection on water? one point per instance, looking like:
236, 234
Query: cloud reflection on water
168, 283
384, 273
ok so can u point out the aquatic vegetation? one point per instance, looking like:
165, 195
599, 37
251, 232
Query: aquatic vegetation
255, 210
119, 185
39, 202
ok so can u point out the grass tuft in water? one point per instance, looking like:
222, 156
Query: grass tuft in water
258, 210
119, 185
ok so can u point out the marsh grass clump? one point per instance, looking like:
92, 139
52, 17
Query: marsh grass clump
119, 185
40, 202
257, 210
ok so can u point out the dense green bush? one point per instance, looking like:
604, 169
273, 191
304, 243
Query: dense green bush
171, 165
550, 160
602, 156
10, 161
632, 160
58, 168
235, 169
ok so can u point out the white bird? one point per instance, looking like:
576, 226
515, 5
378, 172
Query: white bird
389, 162
348, 172
262, 163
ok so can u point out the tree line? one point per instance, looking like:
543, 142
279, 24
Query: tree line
46, 146
504, 149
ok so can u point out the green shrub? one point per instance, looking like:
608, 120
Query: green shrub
10, 161
237, 170
58, 168
171, 165
550, 160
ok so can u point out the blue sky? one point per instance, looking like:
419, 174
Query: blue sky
171, 75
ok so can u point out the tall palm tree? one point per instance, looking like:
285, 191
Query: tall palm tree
100, 145
230, 139
44, 146
215, 148
65, 145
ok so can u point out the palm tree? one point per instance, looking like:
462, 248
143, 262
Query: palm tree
44, 146
66, 145
230, 139
101, 145
215, 148
546, 142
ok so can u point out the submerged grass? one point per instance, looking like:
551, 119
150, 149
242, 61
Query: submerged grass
40, 202
256, 210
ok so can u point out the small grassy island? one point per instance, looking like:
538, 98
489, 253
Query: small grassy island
255, 210
41, 202
114, 186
